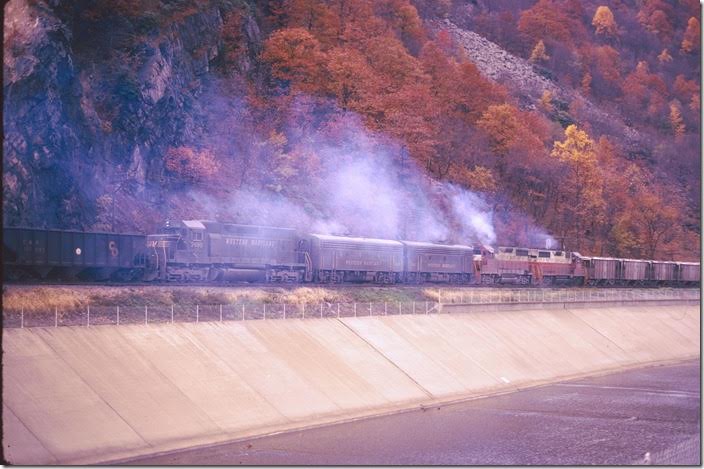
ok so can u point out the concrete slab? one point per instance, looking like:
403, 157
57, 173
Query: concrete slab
413, 360
53, 401
19, 444
89, 394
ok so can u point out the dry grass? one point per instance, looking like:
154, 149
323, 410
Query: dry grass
64, 298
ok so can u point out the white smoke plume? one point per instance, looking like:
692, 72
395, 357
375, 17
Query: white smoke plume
365, 184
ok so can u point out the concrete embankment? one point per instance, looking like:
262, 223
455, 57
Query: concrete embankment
82, 395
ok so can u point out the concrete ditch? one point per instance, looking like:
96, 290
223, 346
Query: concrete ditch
77, 395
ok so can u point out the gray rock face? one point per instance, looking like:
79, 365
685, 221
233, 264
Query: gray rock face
91, 103
517, 73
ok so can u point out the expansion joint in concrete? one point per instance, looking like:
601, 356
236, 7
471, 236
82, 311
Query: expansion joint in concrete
381, 353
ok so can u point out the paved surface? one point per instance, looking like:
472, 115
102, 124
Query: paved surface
613, 419
77, 395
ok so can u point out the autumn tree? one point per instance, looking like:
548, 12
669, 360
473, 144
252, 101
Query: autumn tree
664, 57
546, 101
351, 79
190, 165
539, 54
649, 223
604, 22
644, 92
690, 42
403, 18
655, 16
295, 56
676, 121
580, 204
315, 16
547, 20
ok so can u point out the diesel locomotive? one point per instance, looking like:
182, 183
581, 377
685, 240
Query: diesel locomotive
206, 251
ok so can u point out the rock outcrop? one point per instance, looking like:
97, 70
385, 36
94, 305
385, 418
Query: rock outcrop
521, 76
91, 103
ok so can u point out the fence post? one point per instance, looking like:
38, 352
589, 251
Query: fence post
384, 308
399, 307
118, 315
243, 311
414, 307
197, 312
56, 316
146, 315
355, 309
426, 307
321, 310
264, 312
22, 318
220, 313
338, 309
88, 316
370, 308
284, 310
172, 313
304, 310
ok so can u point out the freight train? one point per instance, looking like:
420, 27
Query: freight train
206, 251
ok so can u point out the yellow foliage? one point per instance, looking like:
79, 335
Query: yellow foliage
546, 101
676, 120
690, 42
604, 21
664, 56
576, 148
478, 179
586, 83
500, 122
539, 53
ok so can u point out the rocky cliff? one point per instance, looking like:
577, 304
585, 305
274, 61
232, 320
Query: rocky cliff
93, 97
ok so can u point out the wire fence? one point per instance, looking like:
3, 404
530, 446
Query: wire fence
94, 315
685, 453
575, 295
117, 315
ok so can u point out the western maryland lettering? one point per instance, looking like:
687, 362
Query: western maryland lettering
363, 262
267, 243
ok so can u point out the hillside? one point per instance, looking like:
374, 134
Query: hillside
520, 122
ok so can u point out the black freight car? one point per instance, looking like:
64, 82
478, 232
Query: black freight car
30, 253
342, 259
202, 250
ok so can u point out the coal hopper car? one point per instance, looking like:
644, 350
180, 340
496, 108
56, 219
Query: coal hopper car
31, 253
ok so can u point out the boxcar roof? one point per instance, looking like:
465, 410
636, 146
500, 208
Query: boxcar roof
348, 239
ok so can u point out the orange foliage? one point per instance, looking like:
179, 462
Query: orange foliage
190, 165
546, 20
604, 22
295, 55
644, 90
655, 16
690, 42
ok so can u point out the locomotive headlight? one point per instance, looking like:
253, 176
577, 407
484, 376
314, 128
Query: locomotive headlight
78, 251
